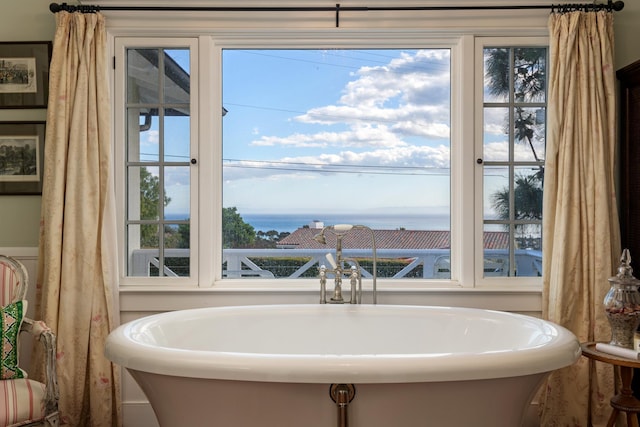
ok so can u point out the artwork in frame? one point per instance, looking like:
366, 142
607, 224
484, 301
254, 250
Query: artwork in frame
24, 74
21, 157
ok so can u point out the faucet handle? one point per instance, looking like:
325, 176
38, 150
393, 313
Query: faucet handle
331, 260
342, 228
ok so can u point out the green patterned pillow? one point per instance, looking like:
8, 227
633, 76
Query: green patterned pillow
10, 321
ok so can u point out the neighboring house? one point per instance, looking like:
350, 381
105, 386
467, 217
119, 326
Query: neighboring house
302, 238
436, 266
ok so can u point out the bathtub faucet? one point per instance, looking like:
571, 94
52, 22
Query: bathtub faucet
338, 270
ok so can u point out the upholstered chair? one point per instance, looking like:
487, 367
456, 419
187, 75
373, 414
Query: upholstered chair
23, 401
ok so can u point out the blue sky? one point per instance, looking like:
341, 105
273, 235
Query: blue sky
336, 130
331, 131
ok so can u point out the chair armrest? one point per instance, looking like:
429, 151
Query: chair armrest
48, 339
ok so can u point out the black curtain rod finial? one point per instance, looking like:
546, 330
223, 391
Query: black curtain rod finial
55, 7
617, 5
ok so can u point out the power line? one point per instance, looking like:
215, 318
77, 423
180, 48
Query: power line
337, 168
331, 165
359, 172
330, 52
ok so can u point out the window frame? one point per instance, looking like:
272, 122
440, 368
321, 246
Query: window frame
481, 43
352, 40
121, 45
466, 125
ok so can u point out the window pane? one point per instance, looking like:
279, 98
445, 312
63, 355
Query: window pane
176, 76
143, 251
528, 193
496, 251
496, 137
529, 133
497, 202
496, 72
177, 201
529, 250
142, 133
144, 193
323, 137
176, 244
176, 135
142, 76
530, 69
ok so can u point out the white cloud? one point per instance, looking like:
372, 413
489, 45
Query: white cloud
416, 159
499, 151
494, 120
360, 135
409, 96
152, 137
385, 116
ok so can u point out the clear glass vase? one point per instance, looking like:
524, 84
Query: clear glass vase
622, 304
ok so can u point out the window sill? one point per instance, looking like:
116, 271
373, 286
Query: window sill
157, 299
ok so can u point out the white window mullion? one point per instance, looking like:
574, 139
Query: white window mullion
462, 159
209, 153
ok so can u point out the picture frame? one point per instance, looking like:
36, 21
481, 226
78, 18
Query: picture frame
21, 157
24, 74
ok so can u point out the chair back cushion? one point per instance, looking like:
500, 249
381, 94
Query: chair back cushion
11, 317
13, 280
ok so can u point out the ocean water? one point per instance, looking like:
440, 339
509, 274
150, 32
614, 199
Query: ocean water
291, 222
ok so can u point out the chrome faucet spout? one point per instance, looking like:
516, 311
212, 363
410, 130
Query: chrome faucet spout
354, 272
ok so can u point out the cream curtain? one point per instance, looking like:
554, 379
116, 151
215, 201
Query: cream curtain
77, 269
580, 226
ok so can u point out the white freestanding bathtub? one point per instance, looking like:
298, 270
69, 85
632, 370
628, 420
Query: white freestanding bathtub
273, 366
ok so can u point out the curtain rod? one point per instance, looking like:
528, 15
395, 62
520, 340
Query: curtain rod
610, 6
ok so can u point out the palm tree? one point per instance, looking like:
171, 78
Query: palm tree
527, 197
528, 66
530, 71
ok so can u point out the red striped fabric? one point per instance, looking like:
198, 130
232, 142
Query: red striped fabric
21, 400
8, 284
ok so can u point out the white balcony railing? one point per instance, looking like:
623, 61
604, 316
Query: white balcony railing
435, 262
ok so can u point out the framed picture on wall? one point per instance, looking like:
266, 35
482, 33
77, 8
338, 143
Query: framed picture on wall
21, 157
24, 74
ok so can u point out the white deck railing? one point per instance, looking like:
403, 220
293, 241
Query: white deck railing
435, 262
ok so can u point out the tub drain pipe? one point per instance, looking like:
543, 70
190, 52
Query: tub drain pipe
342, 395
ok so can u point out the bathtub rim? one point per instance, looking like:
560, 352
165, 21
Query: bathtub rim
120, 348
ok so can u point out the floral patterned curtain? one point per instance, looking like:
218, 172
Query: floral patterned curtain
580, 226
77, 270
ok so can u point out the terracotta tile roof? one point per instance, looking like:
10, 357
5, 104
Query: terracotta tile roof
302, 238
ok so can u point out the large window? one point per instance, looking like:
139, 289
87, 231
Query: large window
292, 139
317, 137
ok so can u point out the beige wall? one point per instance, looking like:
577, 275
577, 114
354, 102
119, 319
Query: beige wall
27, 20
626, 34
31, 20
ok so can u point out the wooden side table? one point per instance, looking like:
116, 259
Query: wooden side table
624, 401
